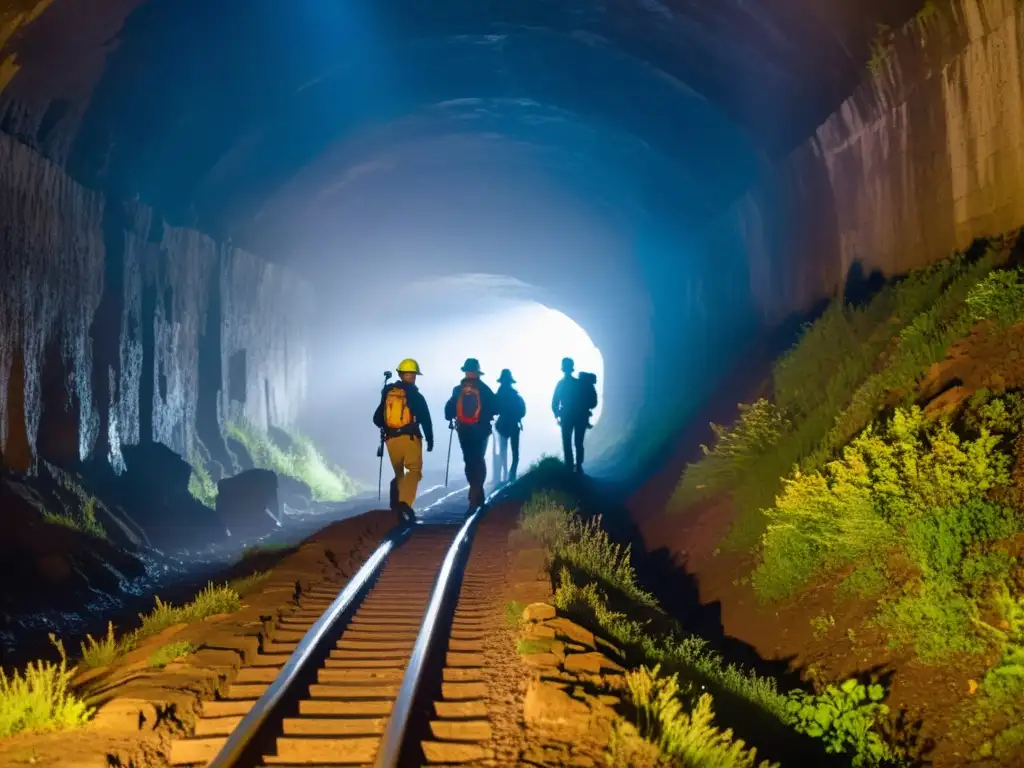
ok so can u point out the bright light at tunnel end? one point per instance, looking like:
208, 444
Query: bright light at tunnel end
523, 335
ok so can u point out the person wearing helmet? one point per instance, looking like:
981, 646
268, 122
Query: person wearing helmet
470, 411
404, 420
511, 410
572, 415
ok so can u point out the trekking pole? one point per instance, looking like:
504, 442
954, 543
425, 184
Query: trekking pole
451, 433
380, 447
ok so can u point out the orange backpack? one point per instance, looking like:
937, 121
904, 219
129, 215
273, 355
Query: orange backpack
396, 409
468, 406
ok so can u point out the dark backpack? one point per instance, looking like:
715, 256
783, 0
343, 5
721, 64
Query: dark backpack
468, 405
587, 393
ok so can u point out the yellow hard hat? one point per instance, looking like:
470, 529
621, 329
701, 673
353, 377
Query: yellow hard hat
409, 366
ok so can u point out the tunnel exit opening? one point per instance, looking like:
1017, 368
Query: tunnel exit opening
440, 323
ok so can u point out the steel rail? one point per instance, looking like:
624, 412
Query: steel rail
393, 739
243, 734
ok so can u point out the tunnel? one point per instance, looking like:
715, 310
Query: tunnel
224, 224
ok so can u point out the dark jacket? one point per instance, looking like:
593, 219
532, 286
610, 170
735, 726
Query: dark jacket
566, 403
417, 407
511, 409
488, 406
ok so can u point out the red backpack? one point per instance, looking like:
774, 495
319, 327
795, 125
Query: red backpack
468, 405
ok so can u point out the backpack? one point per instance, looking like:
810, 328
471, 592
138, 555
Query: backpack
588, 391
396, 409
468, 405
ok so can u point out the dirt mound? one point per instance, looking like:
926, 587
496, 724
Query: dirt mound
989, 358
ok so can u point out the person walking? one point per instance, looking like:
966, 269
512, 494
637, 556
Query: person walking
511, 410
404, 420
571, 414
470, 411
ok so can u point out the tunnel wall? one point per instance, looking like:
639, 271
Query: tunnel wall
116, 328
925, 156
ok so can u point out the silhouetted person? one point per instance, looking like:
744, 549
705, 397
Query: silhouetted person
511, 409
401, 414
572, 414
470, 410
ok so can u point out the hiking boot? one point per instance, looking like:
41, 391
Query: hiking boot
405, 513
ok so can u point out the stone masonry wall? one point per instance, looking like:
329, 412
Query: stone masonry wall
924, 157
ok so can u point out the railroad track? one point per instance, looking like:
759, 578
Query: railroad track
388, 672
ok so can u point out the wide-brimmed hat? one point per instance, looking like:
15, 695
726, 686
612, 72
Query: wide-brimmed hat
506, 377
472, 365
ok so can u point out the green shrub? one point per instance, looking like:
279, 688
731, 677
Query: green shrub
846, 718
999, 297
866, 581
935, 619
40, 699
164, 655
684, 735
302, 461
583, 544
889, 478
754, 433
100, 653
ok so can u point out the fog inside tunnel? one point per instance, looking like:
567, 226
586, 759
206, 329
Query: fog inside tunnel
525, 336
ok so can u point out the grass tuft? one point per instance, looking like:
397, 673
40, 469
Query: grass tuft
40, 699
164, 655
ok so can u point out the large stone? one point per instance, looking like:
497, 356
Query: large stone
547, 706
572, 631
248, 503
294, 493
539, 612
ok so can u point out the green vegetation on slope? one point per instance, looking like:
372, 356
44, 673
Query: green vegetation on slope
843, 478
595, 583
301, 460
847, 367
85, 521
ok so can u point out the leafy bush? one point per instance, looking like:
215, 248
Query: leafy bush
583, 544
889, 478
846, 719
164, 655
683, 735
40, 699
301, 461
999, 297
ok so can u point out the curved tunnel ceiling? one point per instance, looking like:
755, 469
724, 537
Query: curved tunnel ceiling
266, 121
